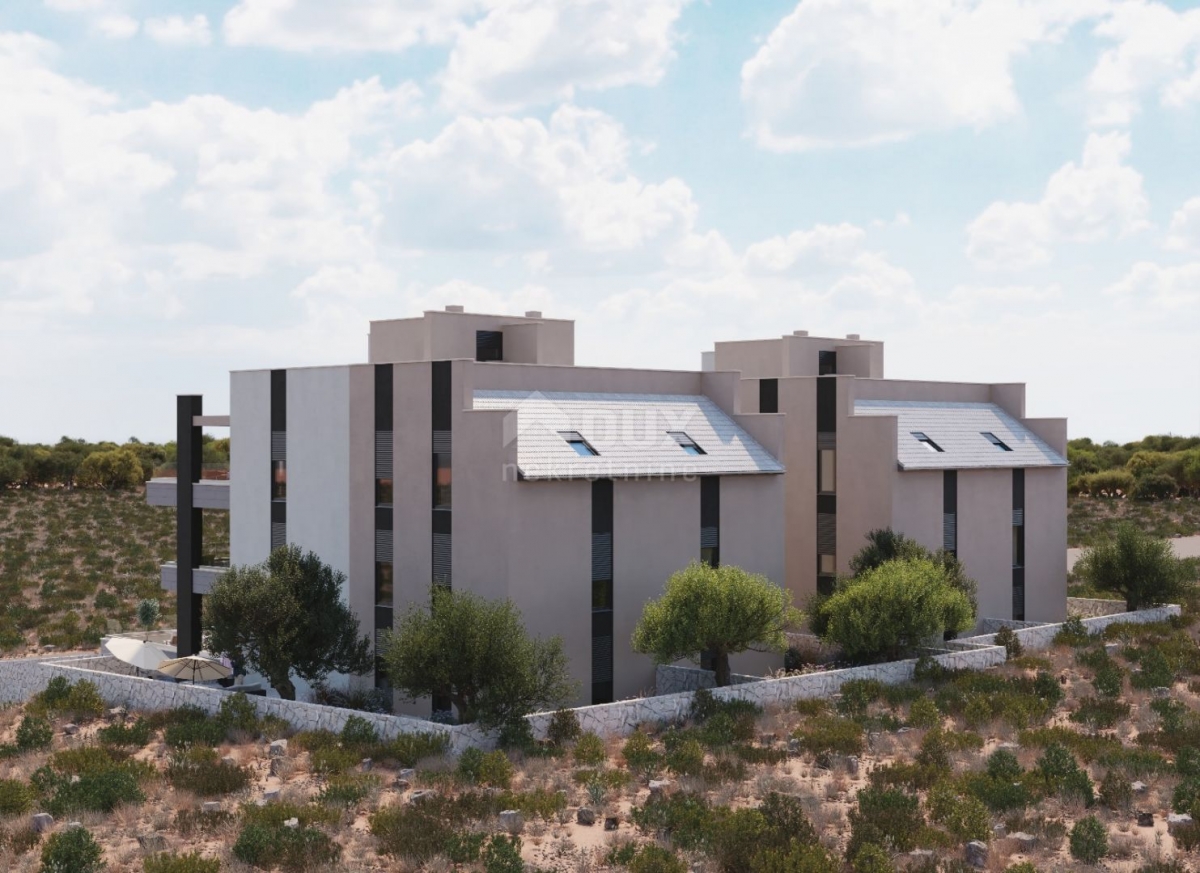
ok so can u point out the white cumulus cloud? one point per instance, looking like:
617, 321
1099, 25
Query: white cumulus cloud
1184, 232
858, 72
528, 52
364, 25
176, 30
1101, 197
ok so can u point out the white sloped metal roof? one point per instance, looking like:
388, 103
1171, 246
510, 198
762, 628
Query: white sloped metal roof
958, 429
631, 434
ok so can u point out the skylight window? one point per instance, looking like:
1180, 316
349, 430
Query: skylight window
576, 441
926, 442
996, 441
686, 442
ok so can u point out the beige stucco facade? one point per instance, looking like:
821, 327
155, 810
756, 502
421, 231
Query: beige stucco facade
535, 539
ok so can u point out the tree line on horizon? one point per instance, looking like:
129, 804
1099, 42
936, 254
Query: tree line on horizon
1153, 468
77, 463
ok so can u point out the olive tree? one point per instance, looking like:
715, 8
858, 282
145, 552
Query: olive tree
477, 654
1139, 567
286, 617
894, 608
718, 611
885, 544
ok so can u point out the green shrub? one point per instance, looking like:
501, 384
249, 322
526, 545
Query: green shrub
589, 750
1116, 791
485, 768
192, 862
885, 817
1109, 680
1008, 638
503, 855
274, 814
1155, 672
563, 728
652, 858
347, 789
830, 735
83, 701
796, 858
96, 792
122, 734
685, 757
34, 733
857, 695
872, 859
15, 797
964, 817
359, 732
1062, 775
333, 759
190, 821
1187, 795
1155, 486
190, 726
1098, 713
1072, 633
237, 713
72, 851
640, 756
200, 771
408, 750
1089, 840
300, 848
1022, 867
688, 818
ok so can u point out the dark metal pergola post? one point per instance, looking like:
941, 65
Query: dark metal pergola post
189, 521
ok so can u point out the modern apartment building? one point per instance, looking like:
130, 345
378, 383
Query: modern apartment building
471, 452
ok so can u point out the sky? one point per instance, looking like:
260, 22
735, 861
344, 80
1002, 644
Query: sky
1001, 190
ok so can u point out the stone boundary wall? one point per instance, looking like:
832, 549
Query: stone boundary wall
21, 678
672, 679
1089, 607
1042, 636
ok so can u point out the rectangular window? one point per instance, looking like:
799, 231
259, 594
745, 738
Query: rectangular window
826, 406
926, 441
710, 556
827, 471
826, 363
996, 441
576, 441
489, 345
686, 442
827, 565
383, 492
1018, 547
278, 480
602, 594
768, 395
383, 584
441, 480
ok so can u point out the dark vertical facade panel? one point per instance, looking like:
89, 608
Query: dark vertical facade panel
1018, 581
826, 363
383, 397
950, 511
768, 395
189, 522
826, 406
279, 400
710, 536
441, 395
602, 591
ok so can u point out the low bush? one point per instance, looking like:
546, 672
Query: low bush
347, 789
1072, 633
1116, 791
653, 858
924, 714
493, 769
1008, 638
274, 814
34, 733
1099, 713
589, 750
190, 821
15, 797
502, 854
407, 750
640, 755
73, 850
200, 771
685, 757
1155, 670
1061, 774
828, 734
687, 817
291, 849
964, 817
357, 732
192, 862
885, 817
1089, 840
1000, 787
563, 728
870, 858
122, 734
